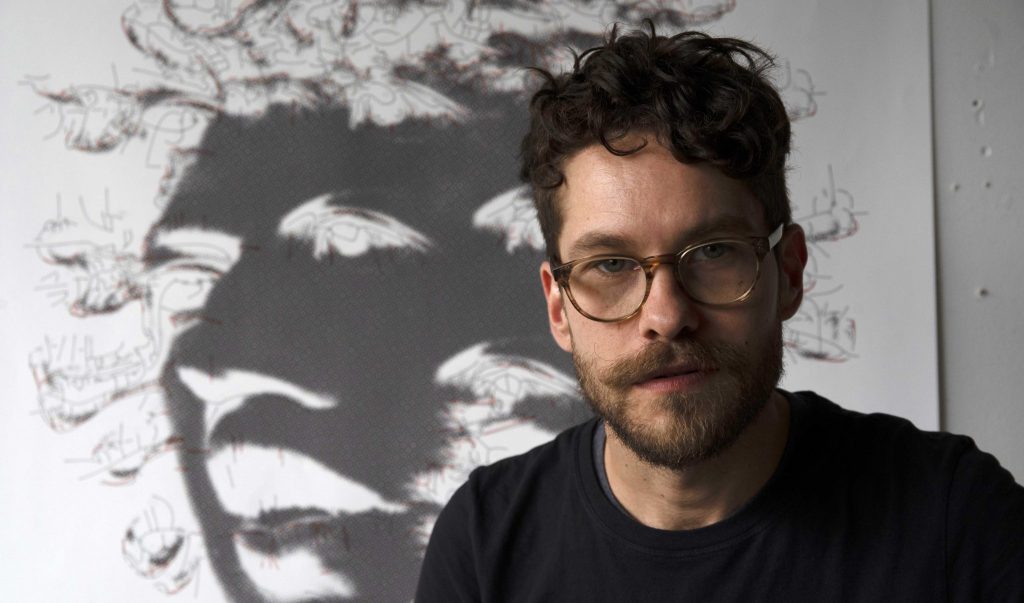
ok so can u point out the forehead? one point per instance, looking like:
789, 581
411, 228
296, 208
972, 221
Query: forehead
248, 173
650, 199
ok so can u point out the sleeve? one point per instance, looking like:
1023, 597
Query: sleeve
448, 573
985, 531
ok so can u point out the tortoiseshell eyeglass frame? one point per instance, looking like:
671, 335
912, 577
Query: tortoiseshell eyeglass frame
762, 245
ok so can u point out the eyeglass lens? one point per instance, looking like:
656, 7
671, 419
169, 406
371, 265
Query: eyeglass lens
717, 273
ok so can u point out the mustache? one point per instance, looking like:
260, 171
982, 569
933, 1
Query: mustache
655, 357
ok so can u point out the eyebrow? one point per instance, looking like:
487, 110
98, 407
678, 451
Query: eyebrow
598, 241
332, 228
168, 244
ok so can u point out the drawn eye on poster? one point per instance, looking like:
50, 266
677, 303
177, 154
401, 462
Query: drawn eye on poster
330, 315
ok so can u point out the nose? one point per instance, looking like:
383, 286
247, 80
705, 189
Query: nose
668, 310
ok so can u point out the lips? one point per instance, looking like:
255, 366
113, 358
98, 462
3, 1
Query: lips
308, 554
276, 531
677, 370
293, 571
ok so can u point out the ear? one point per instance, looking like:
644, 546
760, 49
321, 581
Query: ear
557, 319
792, 257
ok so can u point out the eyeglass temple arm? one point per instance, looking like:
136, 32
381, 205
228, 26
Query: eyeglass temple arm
776, 236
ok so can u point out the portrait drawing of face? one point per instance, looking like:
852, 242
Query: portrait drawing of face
364, 339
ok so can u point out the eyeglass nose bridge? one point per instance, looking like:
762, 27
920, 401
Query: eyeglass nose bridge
650, 264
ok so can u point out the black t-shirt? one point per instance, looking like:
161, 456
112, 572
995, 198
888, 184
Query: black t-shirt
861, 508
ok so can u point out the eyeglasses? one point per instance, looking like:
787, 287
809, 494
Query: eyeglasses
611, 288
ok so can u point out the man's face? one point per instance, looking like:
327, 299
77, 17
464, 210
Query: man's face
678, 382
360, 351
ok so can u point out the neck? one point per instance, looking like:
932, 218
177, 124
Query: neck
706, 492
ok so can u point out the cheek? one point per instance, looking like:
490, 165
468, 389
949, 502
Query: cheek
759, 316
745, 327
601, 344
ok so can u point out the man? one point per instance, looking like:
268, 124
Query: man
658, 172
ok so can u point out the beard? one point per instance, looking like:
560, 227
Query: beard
680, 429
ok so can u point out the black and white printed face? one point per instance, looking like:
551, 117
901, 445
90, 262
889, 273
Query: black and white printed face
371, 330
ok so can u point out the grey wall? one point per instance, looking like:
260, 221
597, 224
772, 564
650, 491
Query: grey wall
978, 81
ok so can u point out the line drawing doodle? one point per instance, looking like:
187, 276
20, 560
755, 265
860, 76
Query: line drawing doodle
819, 331
160, 551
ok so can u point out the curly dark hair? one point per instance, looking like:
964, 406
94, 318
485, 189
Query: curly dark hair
704, 98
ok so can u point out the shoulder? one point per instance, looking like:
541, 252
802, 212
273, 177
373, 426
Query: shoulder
935, 493
878, 441
882, 459
890, 457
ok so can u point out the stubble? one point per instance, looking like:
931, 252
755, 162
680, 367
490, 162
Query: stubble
680, 429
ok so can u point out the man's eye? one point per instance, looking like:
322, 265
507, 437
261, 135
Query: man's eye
714, 251
610, 266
